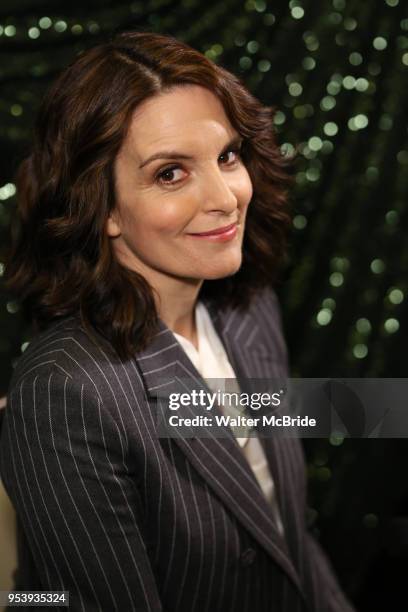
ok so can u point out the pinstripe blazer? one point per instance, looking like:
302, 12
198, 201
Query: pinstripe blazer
127, 520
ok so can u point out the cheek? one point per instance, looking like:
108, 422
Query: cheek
244, 188
157, 218
171, 216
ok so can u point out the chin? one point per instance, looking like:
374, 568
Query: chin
221, 269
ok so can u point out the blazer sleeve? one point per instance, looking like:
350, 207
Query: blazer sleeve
79, 508
323, 575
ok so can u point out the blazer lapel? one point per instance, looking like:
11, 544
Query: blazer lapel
167, 369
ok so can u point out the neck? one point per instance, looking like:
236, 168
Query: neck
175, 298
176, 302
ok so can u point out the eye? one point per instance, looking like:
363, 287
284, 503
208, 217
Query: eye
166, 176
236, 151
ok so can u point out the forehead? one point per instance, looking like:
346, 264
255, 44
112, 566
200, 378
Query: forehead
189, 114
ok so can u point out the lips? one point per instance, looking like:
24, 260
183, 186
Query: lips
220, 230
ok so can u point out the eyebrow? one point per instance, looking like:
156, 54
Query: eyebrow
235, 141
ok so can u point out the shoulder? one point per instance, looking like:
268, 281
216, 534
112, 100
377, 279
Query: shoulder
57, 408
67, 350
266, 303
265, 311
72, 377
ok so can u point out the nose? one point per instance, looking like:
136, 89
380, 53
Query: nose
217, 194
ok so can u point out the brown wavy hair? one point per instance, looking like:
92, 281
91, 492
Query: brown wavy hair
61, 261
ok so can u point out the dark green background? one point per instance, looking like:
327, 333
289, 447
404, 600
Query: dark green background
337, 71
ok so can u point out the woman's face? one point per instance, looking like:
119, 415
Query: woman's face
196, 183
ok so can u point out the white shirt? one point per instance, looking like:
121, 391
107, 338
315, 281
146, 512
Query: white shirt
211, 361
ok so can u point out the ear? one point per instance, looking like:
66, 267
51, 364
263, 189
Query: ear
112, 227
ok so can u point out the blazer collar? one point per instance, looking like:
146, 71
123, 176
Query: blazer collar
164, 365
164, 359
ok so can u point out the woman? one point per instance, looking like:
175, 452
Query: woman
152, 218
